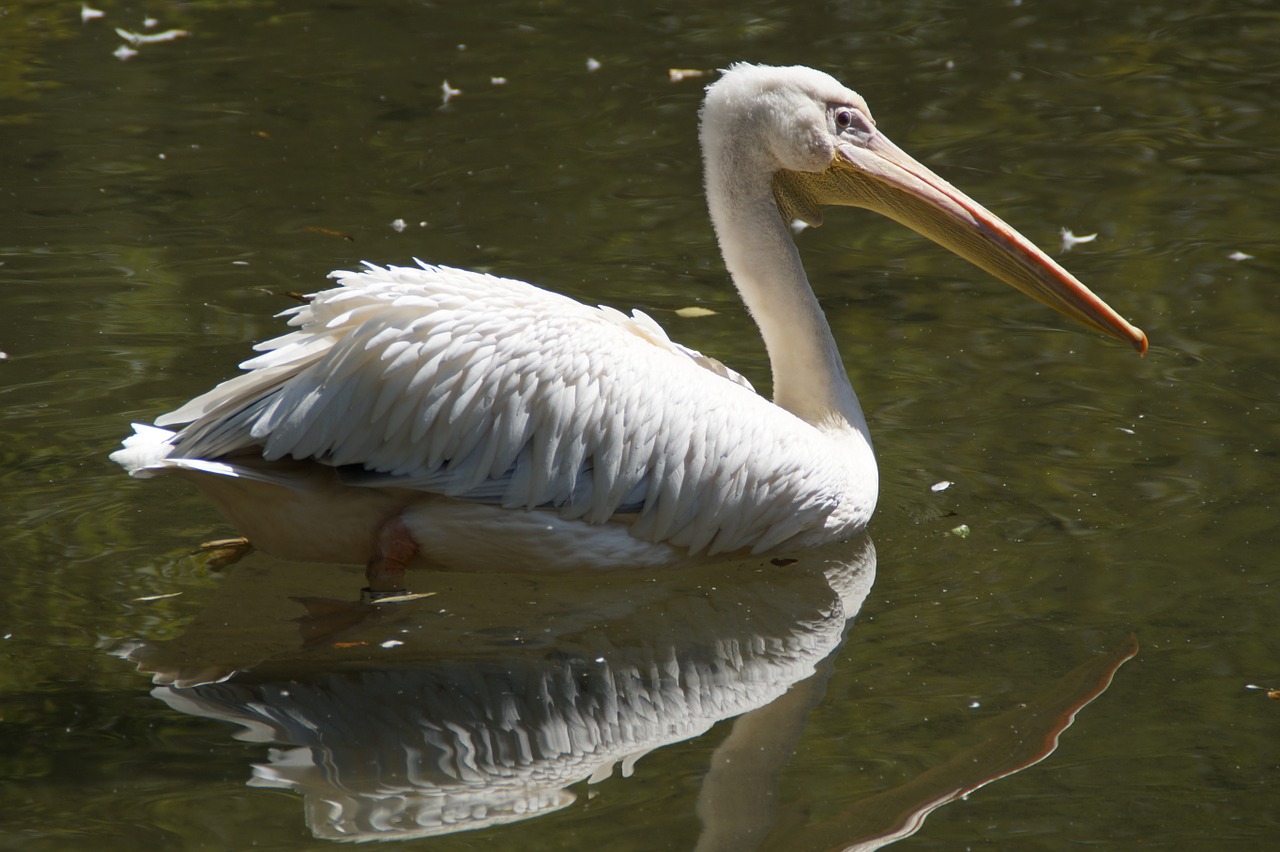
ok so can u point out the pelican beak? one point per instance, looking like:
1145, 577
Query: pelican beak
876, 174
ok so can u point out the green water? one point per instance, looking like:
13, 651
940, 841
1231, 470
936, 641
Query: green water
153, 211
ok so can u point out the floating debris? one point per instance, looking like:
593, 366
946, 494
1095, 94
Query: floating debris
941, 486
330, 232
124, 53
961, 531
1273, 694
404, 598
593, 64
148, 598
150, 22
139, 39
1070, 240
1239, 256
223, 552
497, 81
88, 13
400, 225
798, 225
449, 93
694, 311
679, 75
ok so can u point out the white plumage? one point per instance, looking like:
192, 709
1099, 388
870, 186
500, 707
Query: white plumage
480, 422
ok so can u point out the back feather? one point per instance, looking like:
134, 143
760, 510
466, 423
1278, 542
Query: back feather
488, 389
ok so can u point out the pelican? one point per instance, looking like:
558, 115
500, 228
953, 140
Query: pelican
472, 422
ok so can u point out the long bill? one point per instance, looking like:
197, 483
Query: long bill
876, 174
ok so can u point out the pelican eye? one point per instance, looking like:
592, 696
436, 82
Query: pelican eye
844, 118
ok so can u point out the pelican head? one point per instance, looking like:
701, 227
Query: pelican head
817, 142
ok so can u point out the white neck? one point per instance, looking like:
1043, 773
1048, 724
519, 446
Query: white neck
809, 378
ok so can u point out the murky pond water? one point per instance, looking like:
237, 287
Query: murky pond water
155, 210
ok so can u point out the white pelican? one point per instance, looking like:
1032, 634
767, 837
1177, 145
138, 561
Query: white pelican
481, 423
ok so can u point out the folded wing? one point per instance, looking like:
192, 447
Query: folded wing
488, 389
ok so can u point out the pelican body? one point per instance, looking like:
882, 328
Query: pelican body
481, 423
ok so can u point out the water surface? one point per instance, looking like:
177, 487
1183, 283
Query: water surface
155, 211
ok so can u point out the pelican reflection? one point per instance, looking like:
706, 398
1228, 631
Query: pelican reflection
485, 703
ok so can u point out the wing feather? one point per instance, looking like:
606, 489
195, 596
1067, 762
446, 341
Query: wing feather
393, 406
488, 389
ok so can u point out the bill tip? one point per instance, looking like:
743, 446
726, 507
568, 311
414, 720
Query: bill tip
1140, 341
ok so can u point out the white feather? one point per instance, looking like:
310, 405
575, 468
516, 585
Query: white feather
491, 417
622, 413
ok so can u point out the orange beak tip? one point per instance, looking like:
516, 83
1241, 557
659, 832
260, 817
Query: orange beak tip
1140, 342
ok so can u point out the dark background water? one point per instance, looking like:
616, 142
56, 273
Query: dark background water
153, 211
